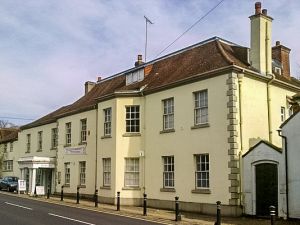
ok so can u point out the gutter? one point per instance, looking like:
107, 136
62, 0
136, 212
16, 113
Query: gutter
286, 172
96, 159
240, 77
269, 107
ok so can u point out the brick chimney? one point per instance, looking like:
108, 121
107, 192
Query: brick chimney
282, 54
88, 86
261, 38
139, 61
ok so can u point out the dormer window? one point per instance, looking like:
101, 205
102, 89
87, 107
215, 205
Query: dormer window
277, 70
135, 76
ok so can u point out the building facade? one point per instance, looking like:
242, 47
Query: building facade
174, 126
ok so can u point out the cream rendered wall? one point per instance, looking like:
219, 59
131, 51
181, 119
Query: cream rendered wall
278, 100
46, 151
89, 157
106, 149
185, 142
20, 147
128, 146
255, 110
14, 155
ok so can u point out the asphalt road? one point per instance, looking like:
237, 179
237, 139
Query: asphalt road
20, 211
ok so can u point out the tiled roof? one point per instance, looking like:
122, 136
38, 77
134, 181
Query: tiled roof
8, 134
194, 61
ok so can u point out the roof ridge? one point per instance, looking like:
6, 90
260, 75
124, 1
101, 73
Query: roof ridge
223, 53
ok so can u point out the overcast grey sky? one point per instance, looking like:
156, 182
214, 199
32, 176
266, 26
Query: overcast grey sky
48, 49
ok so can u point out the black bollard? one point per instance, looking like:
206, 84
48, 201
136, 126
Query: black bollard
96, 198
48, 192
272, 214
145, 205
62, 193
177, 216
77, 196
118, 201
218, 222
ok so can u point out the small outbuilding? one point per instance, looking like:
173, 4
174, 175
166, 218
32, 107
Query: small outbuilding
264, 180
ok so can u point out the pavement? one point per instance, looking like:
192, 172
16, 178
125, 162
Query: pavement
155, 215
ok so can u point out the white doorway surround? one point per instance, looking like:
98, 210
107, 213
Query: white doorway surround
32, 163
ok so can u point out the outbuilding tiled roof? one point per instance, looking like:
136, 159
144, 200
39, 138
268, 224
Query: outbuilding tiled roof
192, 62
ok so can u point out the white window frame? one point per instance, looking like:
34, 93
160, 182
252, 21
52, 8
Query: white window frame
201, 107
168, 115
202, 171
82, 172
40, 141
7, 165
132, 172
28, 143
68, 133
83, 130
106, 172
133, 119
54, 138
11, 146
282, 114
168, 172
67, 173
107, 121
135, 76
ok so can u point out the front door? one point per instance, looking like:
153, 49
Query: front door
266, 188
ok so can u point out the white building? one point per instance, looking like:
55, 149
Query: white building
291, 139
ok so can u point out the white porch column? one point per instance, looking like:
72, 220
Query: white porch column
30, 178
32, 181
22, 174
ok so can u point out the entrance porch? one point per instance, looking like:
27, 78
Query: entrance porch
38, 171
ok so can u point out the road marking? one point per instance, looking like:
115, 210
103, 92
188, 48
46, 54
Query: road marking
20, 206
67, 218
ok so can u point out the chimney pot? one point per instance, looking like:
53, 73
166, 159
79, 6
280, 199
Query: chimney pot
265, 12
258, 8
277, 43
139, 60
99, 79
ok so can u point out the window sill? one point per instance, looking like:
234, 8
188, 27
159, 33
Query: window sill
198, 126
201, 191
27, 152
131, 188
66, 185
167, 131
131, 135
67, 145
54, 148
106, 136
105, 187
167, 190
81, 186
82, 143
40, 150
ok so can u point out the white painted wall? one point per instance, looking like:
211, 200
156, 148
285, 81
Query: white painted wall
292, 131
